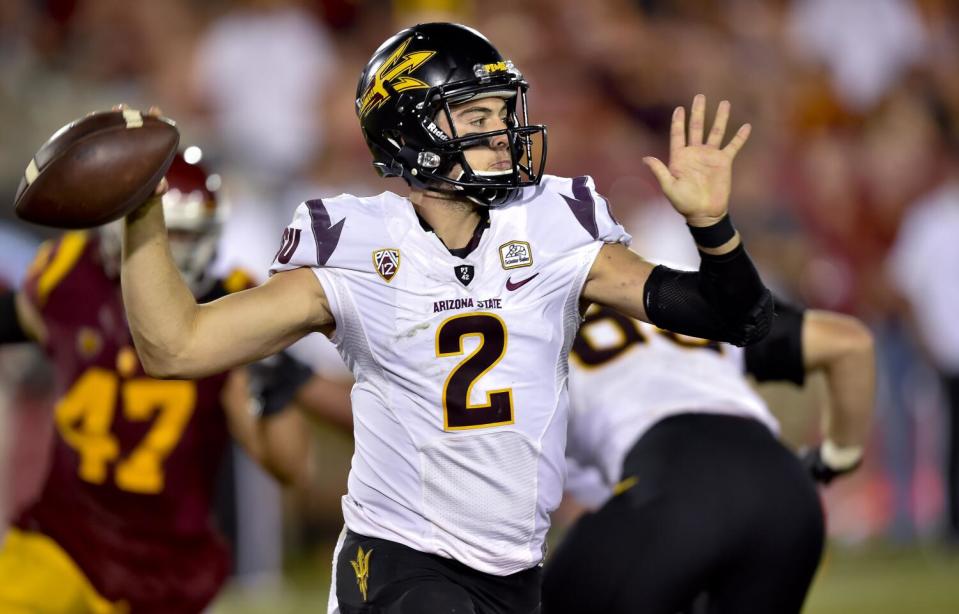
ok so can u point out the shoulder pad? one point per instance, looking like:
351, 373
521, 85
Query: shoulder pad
339, 232
571, 208
53, 262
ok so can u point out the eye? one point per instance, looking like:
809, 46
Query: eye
478, 122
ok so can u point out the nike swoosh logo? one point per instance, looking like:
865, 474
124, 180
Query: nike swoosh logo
511, 286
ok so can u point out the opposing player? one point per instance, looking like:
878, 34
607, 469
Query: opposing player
123, 519
704, 497
455, 308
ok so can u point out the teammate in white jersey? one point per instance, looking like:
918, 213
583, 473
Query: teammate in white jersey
455, 308
705, 500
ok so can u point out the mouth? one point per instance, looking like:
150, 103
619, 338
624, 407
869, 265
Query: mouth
502, 165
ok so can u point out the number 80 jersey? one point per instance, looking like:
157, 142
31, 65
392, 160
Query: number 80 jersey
460, 403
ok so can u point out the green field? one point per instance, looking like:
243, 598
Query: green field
862, 580
883, 580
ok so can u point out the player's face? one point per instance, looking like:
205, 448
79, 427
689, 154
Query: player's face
476, 116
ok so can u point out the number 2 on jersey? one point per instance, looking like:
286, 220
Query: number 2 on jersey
458, 412
85, 414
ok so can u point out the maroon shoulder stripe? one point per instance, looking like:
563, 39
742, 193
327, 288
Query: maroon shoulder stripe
327, 236
582, 206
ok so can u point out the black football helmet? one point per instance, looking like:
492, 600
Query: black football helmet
420, 72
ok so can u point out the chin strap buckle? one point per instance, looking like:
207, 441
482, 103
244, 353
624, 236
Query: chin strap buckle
428, 159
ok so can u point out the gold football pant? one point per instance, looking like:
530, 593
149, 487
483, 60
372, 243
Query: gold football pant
38, 577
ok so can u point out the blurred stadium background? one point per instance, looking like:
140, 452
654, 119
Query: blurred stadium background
847, 196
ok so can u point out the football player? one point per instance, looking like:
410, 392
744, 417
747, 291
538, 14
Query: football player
455, 307
123, 521
704, 498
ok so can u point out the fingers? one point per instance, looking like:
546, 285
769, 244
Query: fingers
719, 126
659, 169
739, 139
697, 119
677, 132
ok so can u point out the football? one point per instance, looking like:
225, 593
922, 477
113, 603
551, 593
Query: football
97, 169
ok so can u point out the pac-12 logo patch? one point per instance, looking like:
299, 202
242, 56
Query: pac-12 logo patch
515, 254
387, 262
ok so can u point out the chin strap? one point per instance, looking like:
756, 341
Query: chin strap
443, 194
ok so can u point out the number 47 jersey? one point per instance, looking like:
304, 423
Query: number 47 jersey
460, 403
134, 460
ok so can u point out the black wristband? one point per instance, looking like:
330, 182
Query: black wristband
716, 235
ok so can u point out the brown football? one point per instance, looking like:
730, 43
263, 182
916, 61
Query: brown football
97, 169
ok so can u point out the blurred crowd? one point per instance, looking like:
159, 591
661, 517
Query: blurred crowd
847, 193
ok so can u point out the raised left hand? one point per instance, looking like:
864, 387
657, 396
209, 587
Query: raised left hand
699, 177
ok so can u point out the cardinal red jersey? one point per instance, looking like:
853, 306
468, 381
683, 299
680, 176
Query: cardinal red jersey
135, 459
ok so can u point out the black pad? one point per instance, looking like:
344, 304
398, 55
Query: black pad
779, 357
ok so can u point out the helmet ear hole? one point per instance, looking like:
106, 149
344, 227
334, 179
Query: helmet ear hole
395, 138
385, 153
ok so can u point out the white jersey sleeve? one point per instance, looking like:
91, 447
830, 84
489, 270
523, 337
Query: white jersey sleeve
326, 233
587, 216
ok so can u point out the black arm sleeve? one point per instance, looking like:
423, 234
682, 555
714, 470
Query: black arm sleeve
725, 300
10, 329
779, 356
275, 380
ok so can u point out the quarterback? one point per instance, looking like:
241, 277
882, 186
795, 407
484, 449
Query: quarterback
455, 307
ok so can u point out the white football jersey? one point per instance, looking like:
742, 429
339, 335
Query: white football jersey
627, 375
460, 403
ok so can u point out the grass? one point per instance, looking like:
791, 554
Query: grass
879, 579
869, 579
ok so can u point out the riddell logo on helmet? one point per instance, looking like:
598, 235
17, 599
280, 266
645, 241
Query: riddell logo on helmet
395, 72
435, 131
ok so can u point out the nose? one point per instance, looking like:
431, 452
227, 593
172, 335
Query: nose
500, 141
